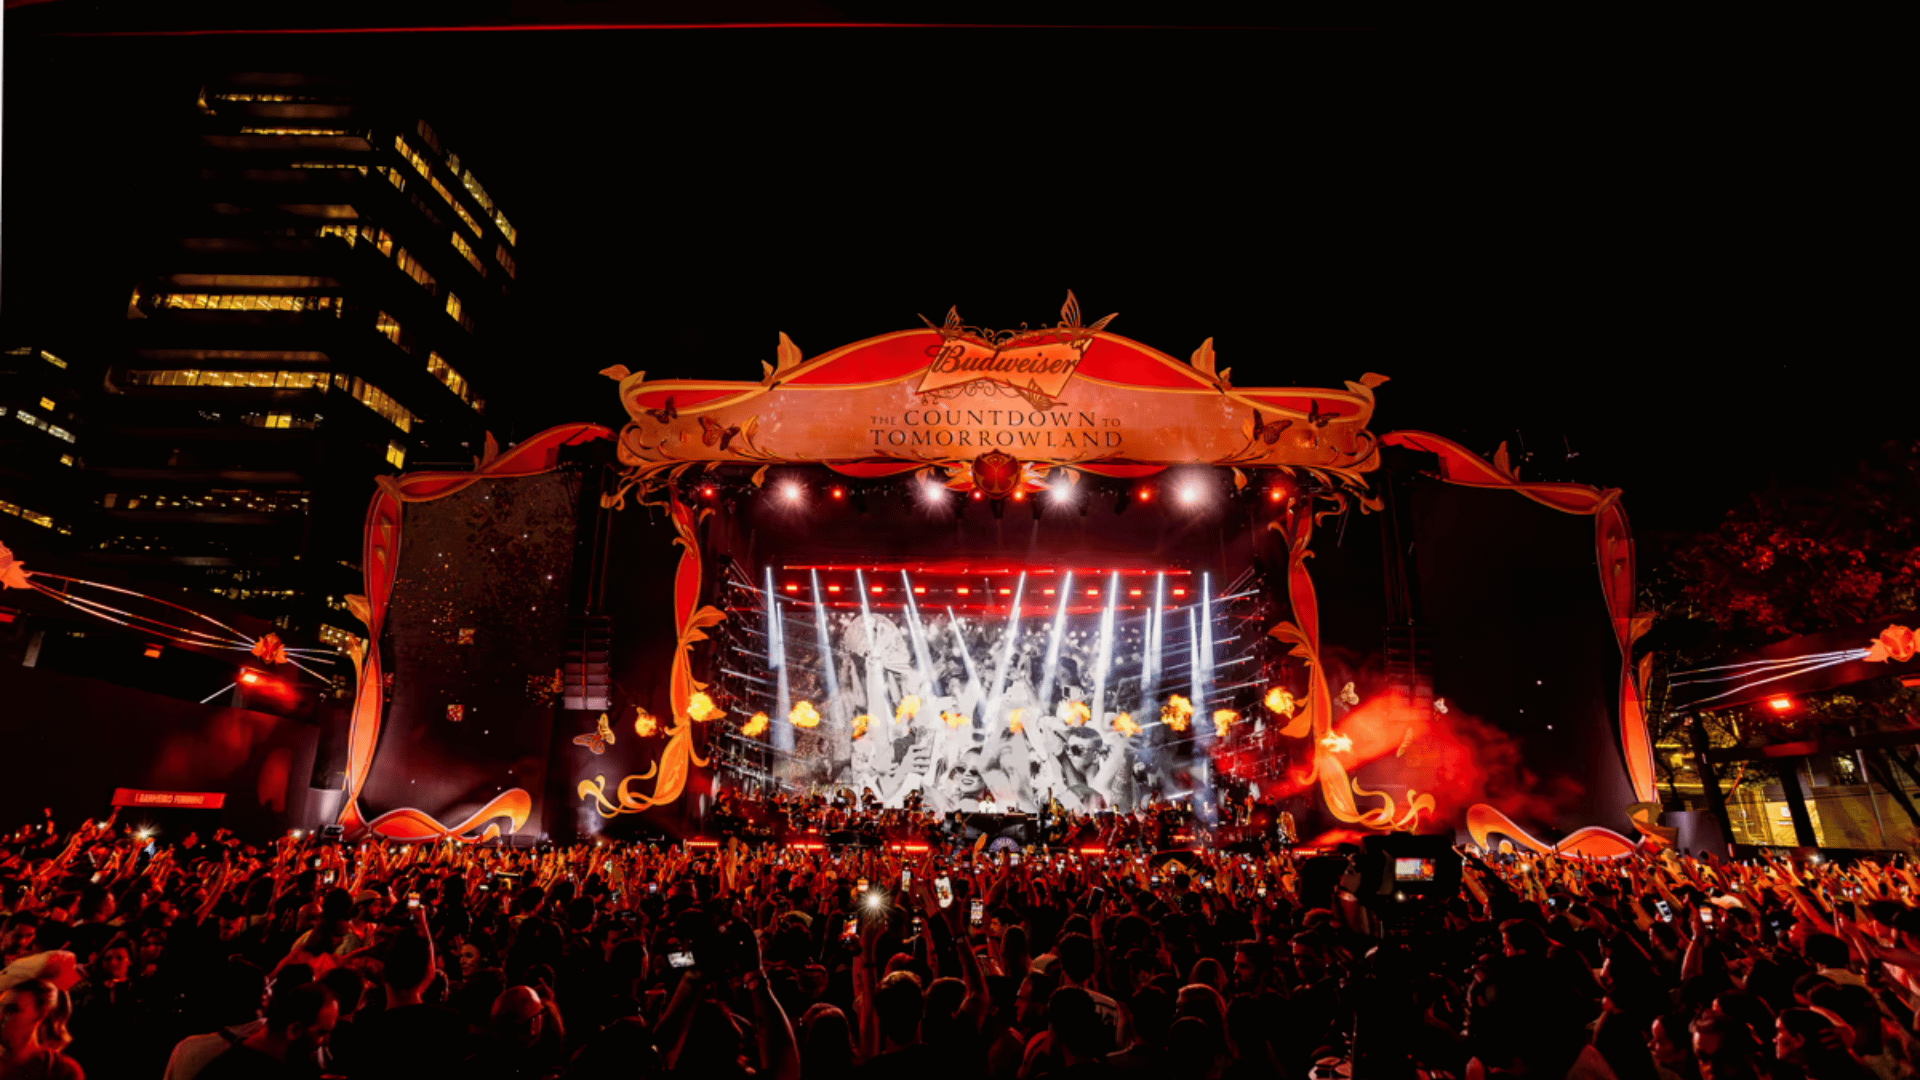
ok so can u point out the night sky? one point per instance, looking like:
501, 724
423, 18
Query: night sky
1638, 281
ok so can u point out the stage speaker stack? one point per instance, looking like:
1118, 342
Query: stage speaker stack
585, 670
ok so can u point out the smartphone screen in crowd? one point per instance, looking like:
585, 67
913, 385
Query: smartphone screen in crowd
852, 930
681, 959
943, 890
979, 911
906, 880
413, 900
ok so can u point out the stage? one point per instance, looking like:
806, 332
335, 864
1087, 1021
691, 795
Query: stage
1047, 574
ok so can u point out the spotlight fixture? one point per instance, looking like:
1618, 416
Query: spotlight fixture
250, 677
838, 492
1780, 704
1190, 494
792, 492
1145, 493
709, 491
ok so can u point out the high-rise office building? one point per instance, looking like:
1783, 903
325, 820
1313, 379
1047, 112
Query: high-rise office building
40, 497
319, 316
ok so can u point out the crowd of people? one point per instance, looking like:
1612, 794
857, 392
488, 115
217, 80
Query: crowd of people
128, 954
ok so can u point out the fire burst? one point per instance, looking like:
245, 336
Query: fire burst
908, 708
1016, 725
804, 715
757, 725
1223, 721
1338, 743
953, 719
1078, 713
1124, 724
1177, 713
701, 707
1280, 700
644, 722
860, 725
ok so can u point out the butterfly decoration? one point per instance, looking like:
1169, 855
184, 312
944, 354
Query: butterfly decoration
271, 649
712, 434
1349, 696
599, 739
666, 414
1317, 418
1268, 433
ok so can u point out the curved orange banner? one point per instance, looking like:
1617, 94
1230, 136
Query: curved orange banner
380, 557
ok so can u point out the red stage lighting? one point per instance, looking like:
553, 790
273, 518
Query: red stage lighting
250, 677
839, 493
978, 495
1019, 496
963, 590
1093, 592
1092, 852
153, 651
1006, 592
1049, 592
1145, 494
1179, 592
709, 491
793, 586
8, 616
877, 589
920, 589
833, 588
1134, 592
703, 843
1780, 704
1275, 494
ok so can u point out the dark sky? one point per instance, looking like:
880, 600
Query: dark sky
1640, 273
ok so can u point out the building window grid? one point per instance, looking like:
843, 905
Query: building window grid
396, 455
438, 367
52, 429
248, 302
25, 514
411, 267
458, 312
353, 386
466, 252
505, 260
285, 501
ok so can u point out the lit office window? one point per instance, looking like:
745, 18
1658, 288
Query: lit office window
66, 459
33, 421
41, 520
242, 380
247, 302
52, 359
412, 268
278, 420
505, 260
506, 230
389, 326
48, 404
438, 367
396, 455
376, 399
427, 136
393, 176
413, 156
292, 131
466, 252
454, 309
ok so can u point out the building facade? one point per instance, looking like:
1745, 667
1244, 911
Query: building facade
318, 316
